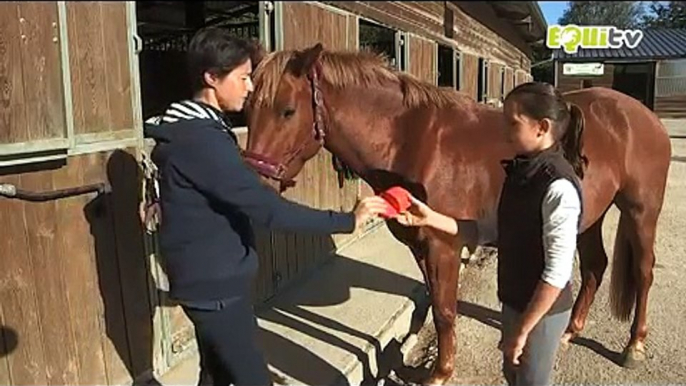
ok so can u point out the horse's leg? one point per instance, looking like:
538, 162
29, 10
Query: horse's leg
443, 271
642, 242
593, 261
632, 273
421, 262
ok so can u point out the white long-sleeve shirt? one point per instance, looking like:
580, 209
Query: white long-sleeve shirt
561, 209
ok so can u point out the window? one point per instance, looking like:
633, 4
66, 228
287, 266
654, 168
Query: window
446, 66
482, 89
458, 70
166, 38
380, 39
402, 63
502, 83
514, 78
670, 78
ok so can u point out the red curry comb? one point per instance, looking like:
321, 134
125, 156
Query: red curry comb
398, 200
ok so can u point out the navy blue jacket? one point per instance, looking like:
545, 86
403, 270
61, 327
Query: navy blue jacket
208, 197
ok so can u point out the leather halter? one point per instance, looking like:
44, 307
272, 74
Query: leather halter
276, 170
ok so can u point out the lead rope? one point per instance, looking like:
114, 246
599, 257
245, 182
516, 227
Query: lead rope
150, 211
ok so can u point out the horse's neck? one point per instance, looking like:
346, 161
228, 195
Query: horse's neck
362, 127
386, 143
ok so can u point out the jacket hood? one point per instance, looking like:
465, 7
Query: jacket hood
180, 120
165, 127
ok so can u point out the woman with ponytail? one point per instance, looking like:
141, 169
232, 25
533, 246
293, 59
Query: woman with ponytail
538, 221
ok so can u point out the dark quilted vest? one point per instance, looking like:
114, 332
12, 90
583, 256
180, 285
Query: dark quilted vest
521, 256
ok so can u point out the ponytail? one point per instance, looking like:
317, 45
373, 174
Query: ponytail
540, 100
572, 140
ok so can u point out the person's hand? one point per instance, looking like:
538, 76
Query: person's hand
513, 348
367, 208
418, 214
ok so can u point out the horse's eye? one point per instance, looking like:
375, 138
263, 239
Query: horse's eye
287, 113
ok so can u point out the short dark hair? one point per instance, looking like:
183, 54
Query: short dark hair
216, 51
539, 100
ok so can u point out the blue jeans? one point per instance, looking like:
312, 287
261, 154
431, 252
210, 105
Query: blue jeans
537, 361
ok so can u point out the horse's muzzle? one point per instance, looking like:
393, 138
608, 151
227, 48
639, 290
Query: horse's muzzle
268, 168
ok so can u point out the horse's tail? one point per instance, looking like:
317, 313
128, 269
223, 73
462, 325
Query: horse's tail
622, 282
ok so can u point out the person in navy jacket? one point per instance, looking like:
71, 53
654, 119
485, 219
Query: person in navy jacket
208, 198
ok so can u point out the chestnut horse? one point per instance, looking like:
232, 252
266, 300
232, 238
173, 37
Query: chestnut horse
393, 129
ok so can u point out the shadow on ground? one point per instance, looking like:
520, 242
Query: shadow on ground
298, 362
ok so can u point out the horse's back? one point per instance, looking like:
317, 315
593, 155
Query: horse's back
622, 137
620, 111
617, 120
626, 145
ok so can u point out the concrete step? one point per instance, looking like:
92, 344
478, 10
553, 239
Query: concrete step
333, 327
675, 127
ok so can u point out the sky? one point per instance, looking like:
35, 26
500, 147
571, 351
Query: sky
552, 10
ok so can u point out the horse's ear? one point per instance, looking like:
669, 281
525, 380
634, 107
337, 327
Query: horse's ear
258, 52
308, 57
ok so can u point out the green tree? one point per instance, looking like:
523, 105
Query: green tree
621, 14
669, 15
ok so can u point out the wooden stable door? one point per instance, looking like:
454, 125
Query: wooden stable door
470, 75
423, 58
75, 303
293, 255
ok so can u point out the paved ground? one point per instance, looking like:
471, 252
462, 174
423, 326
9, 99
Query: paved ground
676, 127
592, 359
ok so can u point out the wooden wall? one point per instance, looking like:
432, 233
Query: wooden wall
469, 34
522, 77
670, 89
509, 80
74, 277
73, 274
574, 82
423, 58
495, 80
476, 32
673, 107
100, 80
30, 74
470, 75
100, 76
329, 28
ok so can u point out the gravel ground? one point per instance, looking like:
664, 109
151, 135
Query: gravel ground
592, 358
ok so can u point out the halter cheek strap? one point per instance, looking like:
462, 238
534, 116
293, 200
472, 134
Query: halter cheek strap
276, 170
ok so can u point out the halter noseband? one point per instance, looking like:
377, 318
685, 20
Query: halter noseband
276, 170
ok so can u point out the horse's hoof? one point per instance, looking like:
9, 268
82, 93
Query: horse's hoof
633, 357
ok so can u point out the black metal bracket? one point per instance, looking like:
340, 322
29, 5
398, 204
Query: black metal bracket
11, 191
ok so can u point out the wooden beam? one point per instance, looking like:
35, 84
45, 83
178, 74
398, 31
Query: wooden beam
448, 21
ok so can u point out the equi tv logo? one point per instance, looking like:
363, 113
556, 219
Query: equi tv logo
571, 37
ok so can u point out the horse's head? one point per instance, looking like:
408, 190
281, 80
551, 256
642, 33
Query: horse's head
285, 114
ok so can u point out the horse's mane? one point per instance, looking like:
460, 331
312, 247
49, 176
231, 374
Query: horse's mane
354, 68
